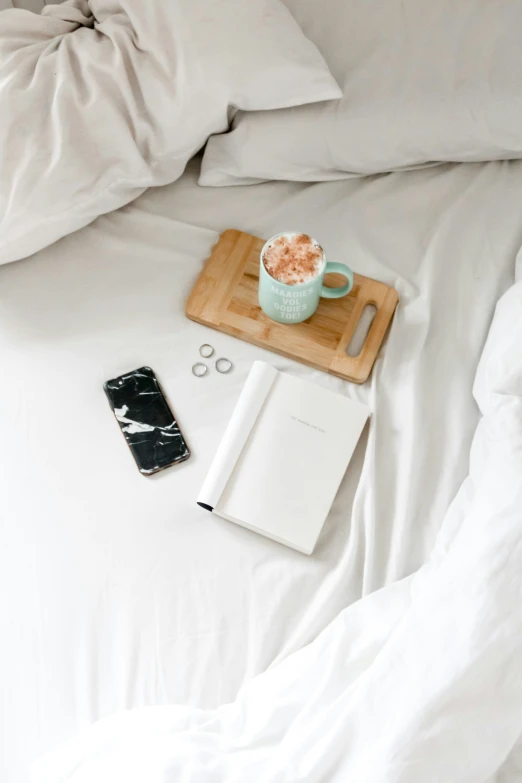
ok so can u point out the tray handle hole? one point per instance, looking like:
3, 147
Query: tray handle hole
360, 333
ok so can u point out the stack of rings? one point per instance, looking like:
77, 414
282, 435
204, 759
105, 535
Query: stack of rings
222, 365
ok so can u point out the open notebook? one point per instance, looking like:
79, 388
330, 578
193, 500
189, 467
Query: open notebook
282, 457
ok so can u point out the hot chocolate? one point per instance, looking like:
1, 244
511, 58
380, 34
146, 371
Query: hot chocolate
293, 259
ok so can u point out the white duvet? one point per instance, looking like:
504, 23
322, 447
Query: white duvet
420, 681
101, 99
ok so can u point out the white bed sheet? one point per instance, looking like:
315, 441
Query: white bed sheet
117, 591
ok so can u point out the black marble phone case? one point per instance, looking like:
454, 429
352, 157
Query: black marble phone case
149, 427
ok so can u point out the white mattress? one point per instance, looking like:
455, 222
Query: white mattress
118, 591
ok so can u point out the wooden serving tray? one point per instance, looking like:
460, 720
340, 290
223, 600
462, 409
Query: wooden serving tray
225, 298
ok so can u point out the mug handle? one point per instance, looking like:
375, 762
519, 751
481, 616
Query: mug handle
336, 293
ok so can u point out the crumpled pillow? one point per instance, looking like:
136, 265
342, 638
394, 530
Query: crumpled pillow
100, 99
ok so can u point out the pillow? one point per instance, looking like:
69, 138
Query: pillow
422, 82
100, 99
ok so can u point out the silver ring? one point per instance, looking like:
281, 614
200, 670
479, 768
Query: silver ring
224, 365
206, 350
199, 369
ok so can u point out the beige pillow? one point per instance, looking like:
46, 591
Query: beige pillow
101, 99
423, 81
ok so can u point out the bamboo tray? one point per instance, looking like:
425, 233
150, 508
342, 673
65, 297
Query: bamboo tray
225, 298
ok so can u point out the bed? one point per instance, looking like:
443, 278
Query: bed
120, 592
390, 655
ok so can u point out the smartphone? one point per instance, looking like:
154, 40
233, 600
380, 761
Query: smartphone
148, 425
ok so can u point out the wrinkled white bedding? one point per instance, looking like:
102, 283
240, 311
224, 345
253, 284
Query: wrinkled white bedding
119, 592
101, 99
419, 681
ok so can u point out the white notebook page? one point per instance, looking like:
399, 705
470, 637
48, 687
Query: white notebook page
286, 478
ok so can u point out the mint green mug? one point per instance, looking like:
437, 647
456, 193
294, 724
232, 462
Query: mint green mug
292, 304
